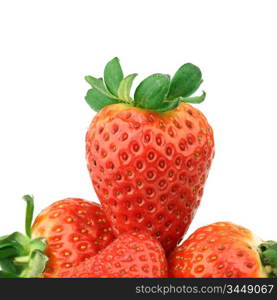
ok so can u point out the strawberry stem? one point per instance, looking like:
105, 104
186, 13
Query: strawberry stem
268, 254
20, 256
29, 214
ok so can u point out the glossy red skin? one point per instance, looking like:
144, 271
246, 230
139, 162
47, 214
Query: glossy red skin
75, 230
149, 169
219, 250
131, 255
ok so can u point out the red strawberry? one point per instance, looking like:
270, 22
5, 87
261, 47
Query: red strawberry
131, 255
224, 250
149, 159
74, 229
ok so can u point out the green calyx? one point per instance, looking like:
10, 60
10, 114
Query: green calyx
157, 92
268, 255
20, 255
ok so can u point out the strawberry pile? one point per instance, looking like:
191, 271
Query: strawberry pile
148, 157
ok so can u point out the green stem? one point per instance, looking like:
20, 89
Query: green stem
29, 214
268, 254
21, 260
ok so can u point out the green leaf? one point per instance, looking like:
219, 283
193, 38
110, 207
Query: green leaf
268, 255
16, 240
185, 82
7, 252
168, 105
36, 265
113, 75
99, 85
125, 88
274, 273
97, 100
19, 255
7, 275
13, 245
6, 265
3, 238
19, 238
5, 243
29, 214
152, 91
195, 100
38, 244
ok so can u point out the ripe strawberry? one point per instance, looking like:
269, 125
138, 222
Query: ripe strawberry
75, 230
149, 158
64, 234
131, 255
224, 250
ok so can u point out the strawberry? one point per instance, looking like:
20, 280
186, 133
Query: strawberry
63, 235
224, 250
131, 255
149, 157
75, 230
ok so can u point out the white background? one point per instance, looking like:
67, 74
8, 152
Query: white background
48, 46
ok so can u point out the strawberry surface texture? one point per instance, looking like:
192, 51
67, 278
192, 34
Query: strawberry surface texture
75, 230
149, 169
224, 250
131, 255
